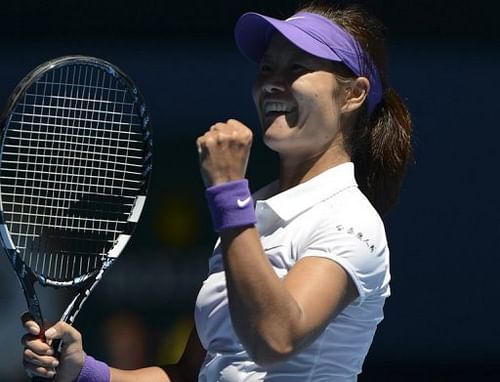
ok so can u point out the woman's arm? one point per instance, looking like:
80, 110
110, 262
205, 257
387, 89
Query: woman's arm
39, 359
275, 318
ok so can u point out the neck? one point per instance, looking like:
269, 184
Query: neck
294, 171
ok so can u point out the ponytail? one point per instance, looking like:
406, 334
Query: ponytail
380, 149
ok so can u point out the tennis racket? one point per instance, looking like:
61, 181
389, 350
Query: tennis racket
75, 165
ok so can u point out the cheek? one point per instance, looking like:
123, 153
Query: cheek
318, 105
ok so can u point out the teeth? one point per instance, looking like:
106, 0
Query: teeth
276, 107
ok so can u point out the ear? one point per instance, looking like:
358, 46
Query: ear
355, 94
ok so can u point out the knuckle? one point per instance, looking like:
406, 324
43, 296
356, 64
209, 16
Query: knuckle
62, 325
31, 327
221, 138
201, 142
43, 371
28, 355
214, 127
210, 140
77, 336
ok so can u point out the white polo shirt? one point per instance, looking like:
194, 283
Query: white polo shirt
329, 217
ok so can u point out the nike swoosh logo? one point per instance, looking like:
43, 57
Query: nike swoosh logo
243, 203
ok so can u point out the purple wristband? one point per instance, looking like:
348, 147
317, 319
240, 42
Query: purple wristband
93, 371
231, 205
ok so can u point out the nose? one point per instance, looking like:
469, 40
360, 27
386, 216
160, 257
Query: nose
273, 85
268, 84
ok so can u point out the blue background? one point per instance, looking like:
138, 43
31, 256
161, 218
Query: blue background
442, 319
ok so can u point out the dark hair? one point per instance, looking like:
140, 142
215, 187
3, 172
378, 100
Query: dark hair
379, 144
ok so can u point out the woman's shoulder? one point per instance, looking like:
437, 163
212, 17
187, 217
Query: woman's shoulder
350, 231
350, 209
345, 224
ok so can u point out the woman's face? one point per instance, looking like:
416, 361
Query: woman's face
296, 97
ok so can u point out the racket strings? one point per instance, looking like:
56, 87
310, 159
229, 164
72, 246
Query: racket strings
72, 164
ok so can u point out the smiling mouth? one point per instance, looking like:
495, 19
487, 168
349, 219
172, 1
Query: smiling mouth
273, 108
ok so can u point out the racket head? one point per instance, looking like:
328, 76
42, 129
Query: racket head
75, 165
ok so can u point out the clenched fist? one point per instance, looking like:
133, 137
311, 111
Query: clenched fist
224, 151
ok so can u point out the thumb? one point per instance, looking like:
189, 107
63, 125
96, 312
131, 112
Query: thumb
63, 331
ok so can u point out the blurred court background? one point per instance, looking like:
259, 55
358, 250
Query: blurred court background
442, 320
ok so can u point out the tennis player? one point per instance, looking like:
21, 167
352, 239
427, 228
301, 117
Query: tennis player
298, 280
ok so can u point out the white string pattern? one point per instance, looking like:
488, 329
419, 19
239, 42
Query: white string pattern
72, 165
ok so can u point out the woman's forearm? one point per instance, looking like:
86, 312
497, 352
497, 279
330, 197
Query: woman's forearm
148, 374
264, 314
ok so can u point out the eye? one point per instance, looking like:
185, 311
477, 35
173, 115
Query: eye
265, 68
299, 68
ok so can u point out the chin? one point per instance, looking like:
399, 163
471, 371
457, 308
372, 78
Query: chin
277, 133
269, 140
276, 143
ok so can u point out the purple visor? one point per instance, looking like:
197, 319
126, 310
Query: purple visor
315, 35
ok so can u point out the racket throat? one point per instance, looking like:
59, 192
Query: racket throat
28, 285
77, 302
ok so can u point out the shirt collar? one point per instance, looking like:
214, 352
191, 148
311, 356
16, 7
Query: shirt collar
298, 199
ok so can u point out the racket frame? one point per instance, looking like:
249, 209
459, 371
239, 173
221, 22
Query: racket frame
84, 284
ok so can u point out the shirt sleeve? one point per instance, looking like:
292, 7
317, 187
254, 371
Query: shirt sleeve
360, 247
